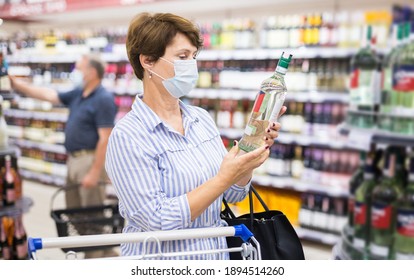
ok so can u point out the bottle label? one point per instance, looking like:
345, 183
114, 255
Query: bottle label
380, 251
362, 87
381, 216
405, 222
260, 104
360, 213
403, 78
359, 243
401, 256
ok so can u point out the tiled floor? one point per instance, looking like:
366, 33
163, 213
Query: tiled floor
38, 223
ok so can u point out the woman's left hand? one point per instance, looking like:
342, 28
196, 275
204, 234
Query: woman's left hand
273, 128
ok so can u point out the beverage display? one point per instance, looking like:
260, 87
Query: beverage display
354, 182
403, 86
385, 196
266, 108
364, 84
9, 191
362, 207
403, 246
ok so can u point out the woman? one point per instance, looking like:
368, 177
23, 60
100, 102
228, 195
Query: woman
166, 160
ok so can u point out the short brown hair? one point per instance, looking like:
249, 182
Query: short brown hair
96, 63
151, 34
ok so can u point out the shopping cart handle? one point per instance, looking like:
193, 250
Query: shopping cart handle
243, 232
33, 245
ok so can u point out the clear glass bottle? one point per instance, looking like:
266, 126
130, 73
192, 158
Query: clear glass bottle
266, 108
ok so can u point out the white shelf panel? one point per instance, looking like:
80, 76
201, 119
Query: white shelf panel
299, 185
237, 94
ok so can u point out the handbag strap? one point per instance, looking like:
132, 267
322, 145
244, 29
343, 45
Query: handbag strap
228, 209
252, 191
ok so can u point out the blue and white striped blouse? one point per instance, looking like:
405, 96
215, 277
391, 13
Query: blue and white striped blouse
153, 167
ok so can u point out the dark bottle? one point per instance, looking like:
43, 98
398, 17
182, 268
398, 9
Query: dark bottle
403, 246
362, 208
19, 240
9, 192
355, 181
385, 196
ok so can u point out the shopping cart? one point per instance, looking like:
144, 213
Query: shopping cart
247, 249
92, 220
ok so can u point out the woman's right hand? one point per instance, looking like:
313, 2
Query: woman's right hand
235, 167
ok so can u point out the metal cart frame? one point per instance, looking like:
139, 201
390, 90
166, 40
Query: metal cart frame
247, 250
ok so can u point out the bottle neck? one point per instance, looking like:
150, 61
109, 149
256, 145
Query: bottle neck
280, 71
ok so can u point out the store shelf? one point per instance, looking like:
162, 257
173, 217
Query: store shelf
11, 150
21, 206
120, 55
253, 54
43, 178
297, 139
361, 138
44, 167
299, 185
46, 147
237, 94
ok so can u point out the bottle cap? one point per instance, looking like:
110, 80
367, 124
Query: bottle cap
283, 61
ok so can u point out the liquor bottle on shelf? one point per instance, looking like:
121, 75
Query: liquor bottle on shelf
364, 92
267, 106
385, 196
354, 182
9, 192
403, 86
387, 99
19, 240
403, 245
362, 207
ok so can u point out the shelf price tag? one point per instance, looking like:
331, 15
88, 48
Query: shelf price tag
360, 139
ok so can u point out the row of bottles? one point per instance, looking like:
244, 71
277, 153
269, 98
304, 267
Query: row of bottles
341, 29
11, 183
382, 88
13, 239
323, 213
304, 74
301, 117
381, 216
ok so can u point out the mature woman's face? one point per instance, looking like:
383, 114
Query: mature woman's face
179, 49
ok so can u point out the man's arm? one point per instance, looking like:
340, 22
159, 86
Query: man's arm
93, 176
42, 93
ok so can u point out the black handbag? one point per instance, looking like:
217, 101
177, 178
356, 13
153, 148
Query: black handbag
277, 238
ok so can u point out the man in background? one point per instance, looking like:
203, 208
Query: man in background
92, 112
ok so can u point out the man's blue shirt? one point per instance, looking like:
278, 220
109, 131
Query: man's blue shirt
86, 116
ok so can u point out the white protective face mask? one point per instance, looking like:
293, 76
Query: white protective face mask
185, 79
77, 78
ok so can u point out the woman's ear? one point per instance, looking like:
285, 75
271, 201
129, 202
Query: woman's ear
146, 61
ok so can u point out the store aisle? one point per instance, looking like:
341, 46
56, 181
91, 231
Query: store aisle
38, 223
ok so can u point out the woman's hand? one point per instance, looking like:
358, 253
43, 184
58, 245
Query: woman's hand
271, 133
235, 168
